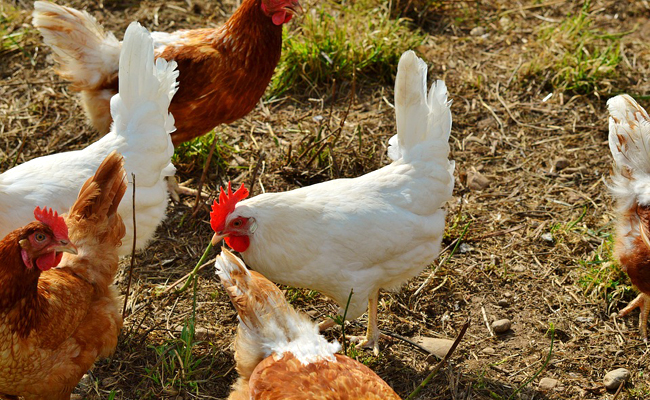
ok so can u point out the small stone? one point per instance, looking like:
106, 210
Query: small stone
202, 334
546, 384
507, 294
503, 303
614, 379
477, 31
435, 346
488, 351
561, 163
501, 326
505, 22
465, 248
585, 320
548, 236
477, 181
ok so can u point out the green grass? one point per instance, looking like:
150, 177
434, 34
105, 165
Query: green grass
574, 55
194, 153
336, 41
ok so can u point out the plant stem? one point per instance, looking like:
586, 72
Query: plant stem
196, 268
435, 370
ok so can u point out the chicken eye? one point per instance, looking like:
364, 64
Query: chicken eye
39, 237
237, 223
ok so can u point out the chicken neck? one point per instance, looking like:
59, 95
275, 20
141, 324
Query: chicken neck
19, 296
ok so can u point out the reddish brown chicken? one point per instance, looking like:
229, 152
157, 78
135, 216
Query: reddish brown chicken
629, 141
223, 72
279, 353
55, 322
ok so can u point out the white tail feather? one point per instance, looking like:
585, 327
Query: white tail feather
629, 142
421, 119
86, 54
140, 109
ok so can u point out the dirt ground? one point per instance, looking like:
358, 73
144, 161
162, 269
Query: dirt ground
531, 172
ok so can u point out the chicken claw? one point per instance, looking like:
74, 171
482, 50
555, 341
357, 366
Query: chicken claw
642, 301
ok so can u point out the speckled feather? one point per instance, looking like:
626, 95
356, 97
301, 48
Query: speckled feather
69, 314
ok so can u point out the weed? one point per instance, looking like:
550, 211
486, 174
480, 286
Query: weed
337, 41
194, 153
575, 56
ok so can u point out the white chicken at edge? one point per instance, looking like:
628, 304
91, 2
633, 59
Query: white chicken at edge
363, 234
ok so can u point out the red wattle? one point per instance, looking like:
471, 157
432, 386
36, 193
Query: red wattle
238, 243
48, 261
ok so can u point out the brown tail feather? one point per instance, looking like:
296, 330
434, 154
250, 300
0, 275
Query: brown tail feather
101, 194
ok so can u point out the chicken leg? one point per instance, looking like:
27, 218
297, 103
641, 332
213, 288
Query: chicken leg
371, 340
643, 302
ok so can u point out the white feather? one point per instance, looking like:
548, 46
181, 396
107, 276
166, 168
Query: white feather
268, 328
140, 133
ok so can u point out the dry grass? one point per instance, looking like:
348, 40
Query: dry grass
540, 233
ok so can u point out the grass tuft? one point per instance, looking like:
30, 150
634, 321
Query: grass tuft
337, 41
574, 55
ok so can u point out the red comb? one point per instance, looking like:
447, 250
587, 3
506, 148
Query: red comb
51, 218
225, 206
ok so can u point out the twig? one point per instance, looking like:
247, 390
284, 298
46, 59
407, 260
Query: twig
173, 285
256, 170
128, 285
486, 321
192, 274
435, 370
618, 391
204, 174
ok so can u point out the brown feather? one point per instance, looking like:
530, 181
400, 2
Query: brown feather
67, 316
288, 379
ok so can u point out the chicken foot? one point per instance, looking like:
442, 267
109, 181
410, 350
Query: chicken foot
371, 340
175, 189
642, 301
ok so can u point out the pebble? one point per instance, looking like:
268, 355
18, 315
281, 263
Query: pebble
477, 181
489, 351
503, 303
613, 379
547, 384
477, 31
465, 248
501, 326
548, 236
436, 346
585, 320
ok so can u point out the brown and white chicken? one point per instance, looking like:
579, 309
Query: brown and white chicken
629, 142
280, 353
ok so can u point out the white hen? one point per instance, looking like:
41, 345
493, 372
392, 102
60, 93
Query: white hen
368, 233
140, 133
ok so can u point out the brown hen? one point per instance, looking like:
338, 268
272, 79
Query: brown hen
223, 71
55, 322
